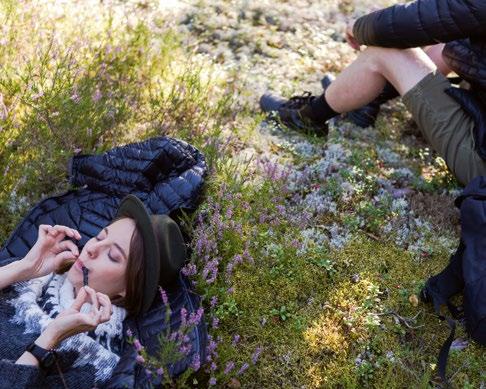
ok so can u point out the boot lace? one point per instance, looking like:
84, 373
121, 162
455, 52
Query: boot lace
296, 102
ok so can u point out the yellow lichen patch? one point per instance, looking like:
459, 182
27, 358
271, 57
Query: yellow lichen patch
325, 337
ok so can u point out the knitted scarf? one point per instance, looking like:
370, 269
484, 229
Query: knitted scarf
40, 300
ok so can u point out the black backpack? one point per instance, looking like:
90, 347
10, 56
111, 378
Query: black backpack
466, 273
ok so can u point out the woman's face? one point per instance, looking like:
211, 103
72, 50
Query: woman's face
106, 257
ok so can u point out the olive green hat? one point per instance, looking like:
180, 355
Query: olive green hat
164, 248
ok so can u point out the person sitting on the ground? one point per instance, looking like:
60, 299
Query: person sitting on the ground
42, 310
394, 64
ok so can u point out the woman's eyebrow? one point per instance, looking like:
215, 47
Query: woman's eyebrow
116, 244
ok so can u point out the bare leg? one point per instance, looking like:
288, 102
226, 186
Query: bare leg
435, 54
365, 78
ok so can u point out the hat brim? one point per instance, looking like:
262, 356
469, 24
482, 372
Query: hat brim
132, 207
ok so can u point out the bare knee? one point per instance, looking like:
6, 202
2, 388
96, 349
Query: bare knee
403, 68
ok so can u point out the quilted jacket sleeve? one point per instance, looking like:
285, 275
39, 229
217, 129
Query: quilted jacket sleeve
20, 376
159, 171
421, 23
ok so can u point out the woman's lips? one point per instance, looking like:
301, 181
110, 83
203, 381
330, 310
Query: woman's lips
79, 265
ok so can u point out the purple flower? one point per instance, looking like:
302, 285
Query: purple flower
185, 349
211, 346
148, 372
196, 362
183, 317
229, 366
75, 97
138, 346
211, 269
256, 354
96, 95
189, 270
243, 368
140, 359
195, 317
215, 323
213, 366
160, 371
212, 381
129, 332
164, 297
229, 213
236, 339
214, 302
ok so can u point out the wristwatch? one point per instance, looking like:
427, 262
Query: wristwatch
45, 357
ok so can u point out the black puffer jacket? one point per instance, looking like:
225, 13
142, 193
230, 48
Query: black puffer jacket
167, 175
461, 24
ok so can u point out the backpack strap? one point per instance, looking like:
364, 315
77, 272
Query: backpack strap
438, 290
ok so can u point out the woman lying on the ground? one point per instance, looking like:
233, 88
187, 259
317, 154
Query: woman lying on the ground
78, 313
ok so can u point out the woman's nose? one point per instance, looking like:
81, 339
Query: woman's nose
93, 250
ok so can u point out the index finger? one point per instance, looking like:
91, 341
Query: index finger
79, 300
67, 231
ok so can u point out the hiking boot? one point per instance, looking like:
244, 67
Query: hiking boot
365, 116
295, 113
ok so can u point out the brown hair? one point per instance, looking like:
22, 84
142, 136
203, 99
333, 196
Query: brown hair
134, 275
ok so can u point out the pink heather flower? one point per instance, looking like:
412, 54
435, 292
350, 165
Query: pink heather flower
185, 349
196, 362
140, 359
212, 381
37, 95
236, 339
229, 366
183, 316
243, 368
164, 297
211, 346
138, 346
96, 95
195, 317
256, 355
229, 213
189, 270
75, 97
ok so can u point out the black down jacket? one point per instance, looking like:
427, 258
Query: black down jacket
167, 175
461, 24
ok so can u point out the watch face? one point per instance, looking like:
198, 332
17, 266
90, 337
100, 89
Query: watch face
49, 359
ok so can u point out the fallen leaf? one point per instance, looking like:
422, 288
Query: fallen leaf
413, 299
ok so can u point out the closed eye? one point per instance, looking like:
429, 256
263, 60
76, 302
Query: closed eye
112, 258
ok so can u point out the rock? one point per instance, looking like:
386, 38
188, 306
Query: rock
204, 48
271, 20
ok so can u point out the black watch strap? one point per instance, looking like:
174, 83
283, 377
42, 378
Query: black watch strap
45, 357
